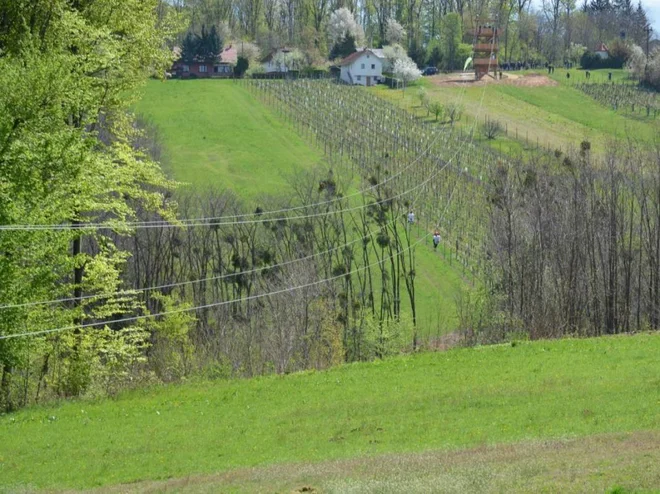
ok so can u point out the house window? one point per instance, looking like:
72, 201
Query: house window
373, 66
359, 78
363, 66
202, 68
186, 68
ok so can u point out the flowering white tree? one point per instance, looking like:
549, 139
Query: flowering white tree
342, 23
292, 60
249, 51
394, 32
653, 75
406, 70
637, 62
393, 53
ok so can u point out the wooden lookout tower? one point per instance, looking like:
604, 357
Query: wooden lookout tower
485, 48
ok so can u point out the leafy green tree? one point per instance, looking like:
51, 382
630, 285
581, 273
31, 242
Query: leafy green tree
242, 65
434, 53
69, 73
343, 47
451, 35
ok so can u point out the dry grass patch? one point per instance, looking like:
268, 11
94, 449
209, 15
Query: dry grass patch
630, 462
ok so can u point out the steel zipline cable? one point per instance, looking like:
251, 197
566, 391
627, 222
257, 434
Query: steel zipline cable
226, 302
220, 220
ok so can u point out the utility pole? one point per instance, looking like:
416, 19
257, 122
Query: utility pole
647, 30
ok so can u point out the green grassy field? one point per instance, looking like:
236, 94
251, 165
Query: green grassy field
215, 134
553, 116
451, 416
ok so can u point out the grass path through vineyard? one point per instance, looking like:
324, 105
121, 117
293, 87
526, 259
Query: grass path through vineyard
216, 134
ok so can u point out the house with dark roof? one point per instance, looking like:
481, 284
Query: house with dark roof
219, 66
362, 67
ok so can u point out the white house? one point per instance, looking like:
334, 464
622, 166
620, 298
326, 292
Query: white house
602, 51
362, 67
380, 54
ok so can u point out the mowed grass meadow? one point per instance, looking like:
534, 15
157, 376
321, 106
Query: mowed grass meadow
465, 398
215, 134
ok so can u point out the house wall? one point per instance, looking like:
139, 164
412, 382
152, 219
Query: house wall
344, 74
195, 70
358, 74
602, 54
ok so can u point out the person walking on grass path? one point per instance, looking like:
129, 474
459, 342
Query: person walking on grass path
411, 217
436, 240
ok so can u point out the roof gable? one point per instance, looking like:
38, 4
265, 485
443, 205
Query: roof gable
602, 47
356, 55
229, 55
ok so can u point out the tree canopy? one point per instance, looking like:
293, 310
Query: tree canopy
69, 154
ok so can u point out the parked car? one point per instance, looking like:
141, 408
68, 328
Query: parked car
430, 71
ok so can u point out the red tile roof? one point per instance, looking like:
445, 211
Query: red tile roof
602, 47
229, 55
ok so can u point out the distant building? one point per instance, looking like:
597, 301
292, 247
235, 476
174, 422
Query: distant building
602, 51
220, 66
272, 63
362, 67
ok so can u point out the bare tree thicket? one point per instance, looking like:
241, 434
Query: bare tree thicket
576, 251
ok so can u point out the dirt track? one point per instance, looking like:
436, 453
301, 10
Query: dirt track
462, 79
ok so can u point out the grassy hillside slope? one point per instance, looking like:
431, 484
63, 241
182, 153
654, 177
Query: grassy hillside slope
437, 401
215, 133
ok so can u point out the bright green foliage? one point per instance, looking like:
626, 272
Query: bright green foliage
451, 35
67, 154
461, 398
173, 351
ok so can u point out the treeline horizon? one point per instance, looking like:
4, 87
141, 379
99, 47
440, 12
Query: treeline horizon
556, 31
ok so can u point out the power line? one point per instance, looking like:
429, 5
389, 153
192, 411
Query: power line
214, 221
184, 283
237, 274
219, 304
